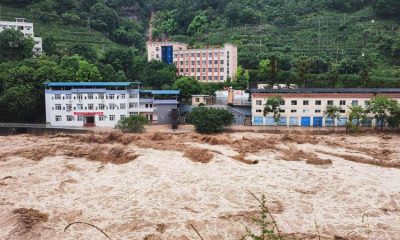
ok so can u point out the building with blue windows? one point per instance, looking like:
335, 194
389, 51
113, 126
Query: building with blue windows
305, 106
103, 104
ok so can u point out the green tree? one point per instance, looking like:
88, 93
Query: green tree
84, 50
49, 45
380, 107
357, 113
103, 18
210, 120
14, 46
264, 69
242, 78
22, 103
332, 112
199, 24
387, 8
87, 72
273, 105
132, 124
394, 118
188, 86
165, 22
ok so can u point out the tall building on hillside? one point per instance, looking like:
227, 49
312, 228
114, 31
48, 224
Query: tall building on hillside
103, 104
26, 28
206, 64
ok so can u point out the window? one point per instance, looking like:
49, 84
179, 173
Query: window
221, 78
293, 102
112, 106
112, 117
58, 118
80, 119
102, 118
58, 106
79, 106
57, 96
122, 106
68, 96
367, 103
101, 96
70, 118
317, 111
258, 102
342, 111
132, 105
222, 61
293, 111
90, 96
90, 106
122, 96
221, 70
282, 110
132, 95
111, 96
132, 114
209, 77
354, 103
149, 105
197, 99
69, 107
122, 117
101, 106
306, 111
204, 77
198, 77
330, 102
198, 69
306, 102
258, 110
318, 102
342, 102
79, 96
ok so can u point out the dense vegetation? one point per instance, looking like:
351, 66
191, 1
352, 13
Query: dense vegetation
324, 43
210, 120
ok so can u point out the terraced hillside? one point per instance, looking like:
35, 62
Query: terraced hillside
64, 35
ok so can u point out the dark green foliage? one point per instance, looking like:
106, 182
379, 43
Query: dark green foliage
14, 46
210, 120
273, 105
132, 124
188, 86
382, 107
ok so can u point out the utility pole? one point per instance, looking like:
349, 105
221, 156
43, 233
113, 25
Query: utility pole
319, 35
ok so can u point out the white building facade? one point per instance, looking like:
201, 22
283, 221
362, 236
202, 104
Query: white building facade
305, 107
26, 28
211, 65
103, 104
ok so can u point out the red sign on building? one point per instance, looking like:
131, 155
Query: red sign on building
88, 113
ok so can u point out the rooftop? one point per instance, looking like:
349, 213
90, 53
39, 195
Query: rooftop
90, 84
161, 92
328, 90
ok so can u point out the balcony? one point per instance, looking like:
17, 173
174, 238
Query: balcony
166, 101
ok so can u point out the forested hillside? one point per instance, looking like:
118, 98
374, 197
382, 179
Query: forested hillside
314, 43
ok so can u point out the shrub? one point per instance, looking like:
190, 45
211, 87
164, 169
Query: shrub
132, 124
210, 120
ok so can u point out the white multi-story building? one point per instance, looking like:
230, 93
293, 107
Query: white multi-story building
103, 104
305, 107
206, 65
26, 28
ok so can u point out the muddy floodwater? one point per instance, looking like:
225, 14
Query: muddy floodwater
157, 186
